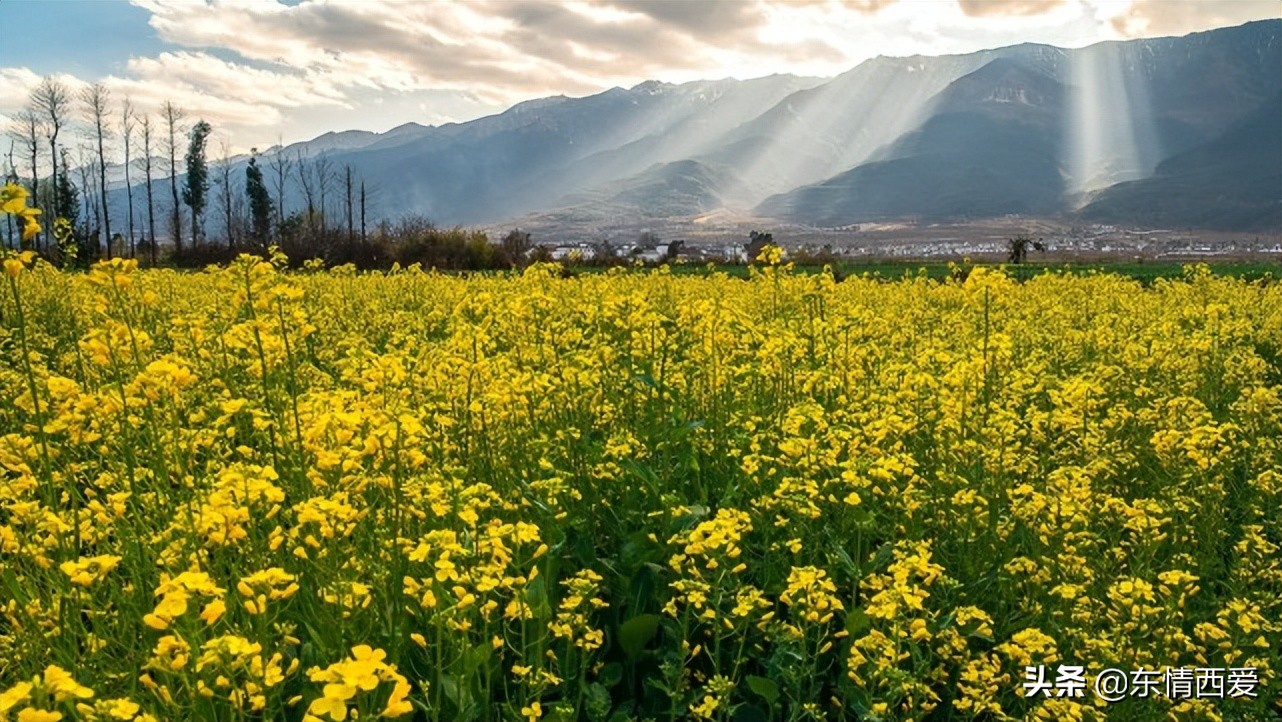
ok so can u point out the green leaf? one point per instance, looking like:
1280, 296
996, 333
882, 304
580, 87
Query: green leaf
637, 632
764, 688
598, 703
858, 622
611, 674
476, 657
750, 713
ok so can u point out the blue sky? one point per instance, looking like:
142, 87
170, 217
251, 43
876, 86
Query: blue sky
262, 70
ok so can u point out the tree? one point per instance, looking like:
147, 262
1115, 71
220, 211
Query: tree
27, 129
347, 183
151, 206
197, 176
515, 245
280, 173
127, 124
67, 215
1018, 248
225, 195
52, 100
757, 242
309, 190
11, 176
260, 201
95, 98
173, 117
85, 167
324, 180
362, 211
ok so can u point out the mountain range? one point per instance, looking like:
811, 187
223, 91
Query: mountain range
1168, 132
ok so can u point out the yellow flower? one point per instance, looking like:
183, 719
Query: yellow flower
31, 714
15, 694
58, 682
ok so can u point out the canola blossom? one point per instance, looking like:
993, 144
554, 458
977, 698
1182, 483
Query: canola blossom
255, 494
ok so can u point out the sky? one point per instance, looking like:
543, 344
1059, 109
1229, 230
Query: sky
264, 71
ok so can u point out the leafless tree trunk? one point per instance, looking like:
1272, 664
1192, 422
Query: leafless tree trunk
347, 184
324, 179
52, 99
11, 176
151, 205
127, 125
309, 190
281, 165
362, 211
85, 167
96, 98
173, 117
225, 182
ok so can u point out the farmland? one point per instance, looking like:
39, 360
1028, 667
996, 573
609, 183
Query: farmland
251, 493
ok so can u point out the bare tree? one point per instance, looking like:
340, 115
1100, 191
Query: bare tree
27, 129
151, 206
225, 194
95, 99
280, 167
127, 124
308, 185
52, 99
362, 211
325, 178
11, 176
173, 116
84, 165
347, 185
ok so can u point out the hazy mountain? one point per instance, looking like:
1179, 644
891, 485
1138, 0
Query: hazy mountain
1039, 133
1232, 182
991, 147
1162, 131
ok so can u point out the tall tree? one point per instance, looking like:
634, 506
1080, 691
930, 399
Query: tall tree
173, 119
51, 99
347, 184
309, 190
362, 211
197, 176
128, 122
324, 180
11, 176
27, 129
280, 173
151, 206
260, 201
88, 194
225, 192
67, 206
95, 99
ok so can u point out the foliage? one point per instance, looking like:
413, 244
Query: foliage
197, 183
260, 201
249, 493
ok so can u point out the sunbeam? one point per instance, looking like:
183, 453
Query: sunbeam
1111, 134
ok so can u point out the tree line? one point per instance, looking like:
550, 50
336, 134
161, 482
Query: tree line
63, 143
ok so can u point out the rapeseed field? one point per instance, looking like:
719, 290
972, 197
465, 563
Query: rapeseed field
253, 494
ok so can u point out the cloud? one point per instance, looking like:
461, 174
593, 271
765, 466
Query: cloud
1147, 18
999, 8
